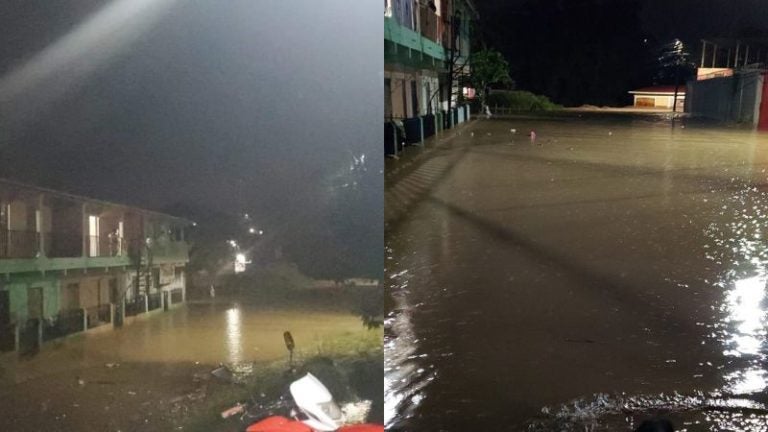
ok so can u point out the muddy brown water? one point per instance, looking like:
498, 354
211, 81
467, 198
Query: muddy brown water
612, 270
155, 373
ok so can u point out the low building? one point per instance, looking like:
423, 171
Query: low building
659, 97
70, 264
731, 84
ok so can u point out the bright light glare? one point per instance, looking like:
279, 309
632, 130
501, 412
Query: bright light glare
66, 63
744, 304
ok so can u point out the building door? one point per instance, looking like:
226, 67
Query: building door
70, 298
93, 236
414, 99
34, 303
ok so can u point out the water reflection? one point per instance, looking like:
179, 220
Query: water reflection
747, 317
234, 335
739, 248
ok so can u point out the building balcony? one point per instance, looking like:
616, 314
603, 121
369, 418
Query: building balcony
408, 46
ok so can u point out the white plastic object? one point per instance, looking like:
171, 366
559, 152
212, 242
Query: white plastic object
316, 402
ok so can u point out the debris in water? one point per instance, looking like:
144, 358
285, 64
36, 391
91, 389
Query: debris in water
513, 130
610, 133
533, 137
132, 393
112, 365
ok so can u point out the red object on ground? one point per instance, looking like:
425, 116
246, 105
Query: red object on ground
279, 424
362, 428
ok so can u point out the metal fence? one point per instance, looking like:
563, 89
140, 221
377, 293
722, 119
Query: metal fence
18, 244
29, 336
99, 315
65, 323
154, 301
135, 306
177, 296
7, 337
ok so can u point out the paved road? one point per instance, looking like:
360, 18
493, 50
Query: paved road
614, 254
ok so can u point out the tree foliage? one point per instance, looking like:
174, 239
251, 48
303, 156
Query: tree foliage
488, 67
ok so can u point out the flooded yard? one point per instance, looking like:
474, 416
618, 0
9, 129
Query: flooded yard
155, 373
612, 269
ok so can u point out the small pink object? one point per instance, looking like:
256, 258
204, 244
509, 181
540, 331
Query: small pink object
533, 136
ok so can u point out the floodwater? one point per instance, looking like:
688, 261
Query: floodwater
145, 375
610, 271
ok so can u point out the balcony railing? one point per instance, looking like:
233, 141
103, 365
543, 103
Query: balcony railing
63, 245
106, 246
428, 21
19, 244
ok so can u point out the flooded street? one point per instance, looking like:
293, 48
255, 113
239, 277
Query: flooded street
612, 269
154, 373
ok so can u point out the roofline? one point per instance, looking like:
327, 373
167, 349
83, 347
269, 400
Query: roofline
671, 93
91, 200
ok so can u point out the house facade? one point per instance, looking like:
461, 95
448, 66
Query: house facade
417, 60
659, 97
70, 264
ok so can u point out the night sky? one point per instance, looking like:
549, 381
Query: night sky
594, 51
257, 106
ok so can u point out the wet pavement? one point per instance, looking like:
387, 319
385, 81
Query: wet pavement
611, 270
155, 373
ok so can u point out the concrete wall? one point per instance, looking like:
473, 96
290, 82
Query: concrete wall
93, 290
731, 99
18, 287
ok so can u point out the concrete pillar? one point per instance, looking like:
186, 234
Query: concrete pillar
146, 302
703, 52
85, 319
85, 230
112, 313
421, 129
162, 300
41, 229
394, 138
714, 56
746, 56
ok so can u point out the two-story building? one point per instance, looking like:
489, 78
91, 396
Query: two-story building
418, 60
70, 264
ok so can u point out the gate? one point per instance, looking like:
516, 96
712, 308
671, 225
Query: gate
29, 341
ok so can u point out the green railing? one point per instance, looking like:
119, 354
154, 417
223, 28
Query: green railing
410, 39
